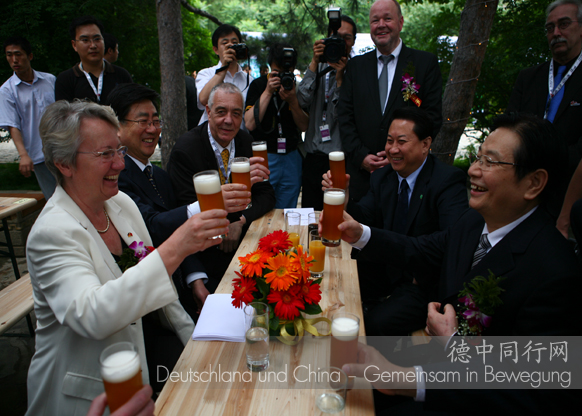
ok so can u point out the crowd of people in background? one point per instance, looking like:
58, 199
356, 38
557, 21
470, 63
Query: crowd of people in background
417, 238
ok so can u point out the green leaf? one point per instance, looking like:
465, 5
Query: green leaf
312, 309
274, 323
263, 287
318, 281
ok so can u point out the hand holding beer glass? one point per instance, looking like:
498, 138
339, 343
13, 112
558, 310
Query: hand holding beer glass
240, 169
121, 373
333, 210
260, 150
208, 190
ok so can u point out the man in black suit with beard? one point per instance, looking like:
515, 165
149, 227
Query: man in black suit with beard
371, 91
507, 232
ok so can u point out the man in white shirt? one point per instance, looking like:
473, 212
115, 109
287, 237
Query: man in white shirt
23, 99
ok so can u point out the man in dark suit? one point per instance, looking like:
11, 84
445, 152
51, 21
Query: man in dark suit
508, 232
531, 91
371, 92
434, 197
212, 146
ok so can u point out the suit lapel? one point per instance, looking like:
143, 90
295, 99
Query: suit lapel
403, 59
374, 87
140, 179
389, 195
422, 181
572, 88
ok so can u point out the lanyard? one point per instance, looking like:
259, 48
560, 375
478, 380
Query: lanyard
279, 127
551, 89
99, 88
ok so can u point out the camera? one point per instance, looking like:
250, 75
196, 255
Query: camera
335, 46
241, 51
287, 77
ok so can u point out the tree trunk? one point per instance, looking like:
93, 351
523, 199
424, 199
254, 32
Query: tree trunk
476, 21
172, 70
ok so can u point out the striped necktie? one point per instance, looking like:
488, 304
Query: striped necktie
482, 249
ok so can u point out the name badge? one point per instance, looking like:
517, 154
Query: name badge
281, 145
325, 136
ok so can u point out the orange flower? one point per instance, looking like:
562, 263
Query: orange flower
302, 262
253, 263
276, 242
243, 292
287, 303
283, 273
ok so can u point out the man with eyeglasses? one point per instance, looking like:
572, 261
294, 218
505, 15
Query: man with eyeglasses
553, 90
23, 99
93, 78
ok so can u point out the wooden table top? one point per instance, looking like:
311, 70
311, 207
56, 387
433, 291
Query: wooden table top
10, 206
187, 395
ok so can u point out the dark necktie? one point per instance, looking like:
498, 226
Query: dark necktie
383, 80
555, 103
401, 209
482, 248
148, 173
225, 154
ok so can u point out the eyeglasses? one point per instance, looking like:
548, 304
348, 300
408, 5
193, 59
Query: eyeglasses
144, 124
562, 25
86, 41
107, 155
486, 163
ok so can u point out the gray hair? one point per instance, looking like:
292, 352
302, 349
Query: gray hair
226, 87
557, 3
59, 131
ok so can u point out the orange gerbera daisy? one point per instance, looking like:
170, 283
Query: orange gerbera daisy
302, 262
287, 303
276, 242
283, 273
253, 263
244, 289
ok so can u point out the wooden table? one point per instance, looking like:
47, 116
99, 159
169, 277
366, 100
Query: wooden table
8, 207
340, 290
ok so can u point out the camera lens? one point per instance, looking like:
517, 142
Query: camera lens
334, 50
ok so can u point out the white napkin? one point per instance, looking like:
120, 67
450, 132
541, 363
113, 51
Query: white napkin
220, 321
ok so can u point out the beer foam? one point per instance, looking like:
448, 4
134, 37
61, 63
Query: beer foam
240, 167
334, 198
207, 184
259, 147
120, 366
346, 328
336, 156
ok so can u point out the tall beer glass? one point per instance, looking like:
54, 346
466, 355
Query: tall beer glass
345, 328
333, 214
208, 190
240, 169
121, 373
260, 150
337, 166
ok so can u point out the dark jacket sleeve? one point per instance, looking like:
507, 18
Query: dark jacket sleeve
64, 87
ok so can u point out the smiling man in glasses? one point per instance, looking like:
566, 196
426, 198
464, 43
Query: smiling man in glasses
93, 78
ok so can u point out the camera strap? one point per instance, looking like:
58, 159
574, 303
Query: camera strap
224, 68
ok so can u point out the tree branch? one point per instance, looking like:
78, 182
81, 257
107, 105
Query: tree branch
200, 12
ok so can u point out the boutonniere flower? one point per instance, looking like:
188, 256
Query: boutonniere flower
133, 255
410, 89
477, 303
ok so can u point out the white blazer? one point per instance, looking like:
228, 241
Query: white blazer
83, 302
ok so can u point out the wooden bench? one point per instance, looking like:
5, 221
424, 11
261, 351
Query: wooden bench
15, 303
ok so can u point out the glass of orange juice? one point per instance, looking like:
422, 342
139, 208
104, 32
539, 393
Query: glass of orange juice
317, 250
293, 226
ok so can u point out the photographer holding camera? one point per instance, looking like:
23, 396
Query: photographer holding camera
226, 43
318, 94
273, 114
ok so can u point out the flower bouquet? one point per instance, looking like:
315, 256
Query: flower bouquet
279, 275
133, 255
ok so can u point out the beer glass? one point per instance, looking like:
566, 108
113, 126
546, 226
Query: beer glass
312, 223
240, 169
317, 250
208, 190
260, 150
293, 227
121, 373
345, 328
333, 214
337, 166
331, 385
257, 335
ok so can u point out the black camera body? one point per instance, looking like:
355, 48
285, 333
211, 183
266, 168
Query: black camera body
335, 46
287, 77
241, 51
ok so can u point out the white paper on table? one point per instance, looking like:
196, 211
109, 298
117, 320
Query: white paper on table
220, 321
304, 213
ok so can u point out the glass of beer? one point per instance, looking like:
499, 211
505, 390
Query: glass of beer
333, 215
260, 150
345, 328
208, 190
331, 385
293, 227
240, 169
257, 335
312, 223
317, 250
337, 166
121, 373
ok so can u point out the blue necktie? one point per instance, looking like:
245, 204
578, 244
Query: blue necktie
555, 103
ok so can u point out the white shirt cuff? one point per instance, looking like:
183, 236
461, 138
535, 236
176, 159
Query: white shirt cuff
449, 341
193, 209
366, 234
420, 385
195, 276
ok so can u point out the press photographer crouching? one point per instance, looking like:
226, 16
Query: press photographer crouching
273, 114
